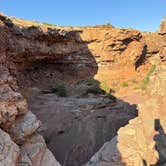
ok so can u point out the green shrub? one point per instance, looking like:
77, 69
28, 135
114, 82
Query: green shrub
146, 80
59, 89
93, 87
134, 81
124, 84
95, 90
104, 86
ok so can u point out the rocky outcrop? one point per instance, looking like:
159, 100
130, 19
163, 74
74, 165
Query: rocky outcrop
162, 54
142, 141
71, 51
162, 29
107, 155
31, 53
24, 126
138, 141
35, 153
9, 154
15, 118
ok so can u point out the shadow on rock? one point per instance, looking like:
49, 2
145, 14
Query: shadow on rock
160, 140
78, 127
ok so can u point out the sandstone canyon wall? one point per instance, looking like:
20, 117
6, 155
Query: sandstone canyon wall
20, 144
32, 54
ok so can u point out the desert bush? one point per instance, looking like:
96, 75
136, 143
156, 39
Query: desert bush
59, 89
104, 86
134, 81
146, 80
93, 87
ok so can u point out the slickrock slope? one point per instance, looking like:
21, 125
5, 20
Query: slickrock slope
35, 55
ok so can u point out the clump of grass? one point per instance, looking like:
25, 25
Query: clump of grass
105, 87
124, 84
134, 81
59, 89
146, 80
136, 88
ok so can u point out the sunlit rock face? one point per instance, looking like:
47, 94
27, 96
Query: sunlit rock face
162, 29
15, 118
143, 139
33, 54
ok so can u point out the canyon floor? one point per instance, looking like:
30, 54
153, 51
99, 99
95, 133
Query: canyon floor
76, 127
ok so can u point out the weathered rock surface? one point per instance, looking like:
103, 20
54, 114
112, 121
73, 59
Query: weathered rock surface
25, 126
35, 153
9, 153
108, 155
162, 54
139, 140
142, 141
31, 53
78, 127
14, 115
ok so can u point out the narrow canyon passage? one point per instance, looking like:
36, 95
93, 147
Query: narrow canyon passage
75, 128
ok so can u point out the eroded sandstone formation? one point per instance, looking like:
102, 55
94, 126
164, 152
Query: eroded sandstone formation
15, 118
34, 54
143, 139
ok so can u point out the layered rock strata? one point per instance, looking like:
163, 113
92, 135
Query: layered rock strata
21, 146
32, 52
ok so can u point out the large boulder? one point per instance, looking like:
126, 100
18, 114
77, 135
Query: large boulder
35, 153
9, 151
25, 126
108, 155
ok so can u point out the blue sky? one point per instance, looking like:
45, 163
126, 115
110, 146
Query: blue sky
144, 15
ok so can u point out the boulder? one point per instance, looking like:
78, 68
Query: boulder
9, 151
35, 153
24, 126
108, 155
